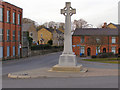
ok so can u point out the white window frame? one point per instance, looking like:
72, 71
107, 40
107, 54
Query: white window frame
113, 50
82, 49
13, 17
1, 14
8, 16
113, 40
8, 51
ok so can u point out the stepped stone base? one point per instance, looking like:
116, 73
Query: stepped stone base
67, 68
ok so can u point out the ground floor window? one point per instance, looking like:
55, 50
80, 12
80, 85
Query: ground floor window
114, 50
13, 50
1, 52
18, 50
97, 50
82, 50
8, 51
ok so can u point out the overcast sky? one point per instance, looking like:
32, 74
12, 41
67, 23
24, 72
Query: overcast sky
94, 12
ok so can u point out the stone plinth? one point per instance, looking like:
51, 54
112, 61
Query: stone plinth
67, 68
67, 60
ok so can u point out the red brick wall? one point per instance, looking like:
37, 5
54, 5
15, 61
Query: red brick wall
76, 41
5, 26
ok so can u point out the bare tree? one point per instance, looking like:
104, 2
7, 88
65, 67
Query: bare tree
81, 23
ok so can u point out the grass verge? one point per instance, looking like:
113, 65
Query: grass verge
104, 60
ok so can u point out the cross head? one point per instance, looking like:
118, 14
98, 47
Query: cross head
68, 10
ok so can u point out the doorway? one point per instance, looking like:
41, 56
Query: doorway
119, 51
88, 52
104, 50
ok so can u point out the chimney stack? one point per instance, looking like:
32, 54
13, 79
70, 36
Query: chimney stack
105, 25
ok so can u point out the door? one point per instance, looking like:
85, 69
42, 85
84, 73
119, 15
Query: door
119, 51
88, 52
104, 50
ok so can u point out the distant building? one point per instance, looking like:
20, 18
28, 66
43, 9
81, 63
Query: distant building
46, 34
91, 41
58, 37
10, 30
30, 27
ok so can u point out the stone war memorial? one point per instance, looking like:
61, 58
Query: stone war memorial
67, 61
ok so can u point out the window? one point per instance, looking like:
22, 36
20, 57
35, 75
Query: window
1, 14
8, 51
18, 50
1, 35
18, 19
97, 50
13, 50
82, 39
1, 52
82, 50
18, 35
14, 35
113, 39
114, 50
97, 40
8, 35
8, 16
14, 18
31, 34
41, 35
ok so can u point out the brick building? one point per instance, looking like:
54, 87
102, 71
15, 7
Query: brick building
10, 30
91, 41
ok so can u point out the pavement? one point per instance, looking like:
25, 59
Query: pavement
36, 69
46, 72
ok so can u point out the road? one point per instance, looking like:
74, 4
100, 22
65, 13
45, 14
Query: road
50, 60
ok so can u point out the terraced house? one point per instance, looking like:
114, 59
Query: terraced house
10, 30
91, 41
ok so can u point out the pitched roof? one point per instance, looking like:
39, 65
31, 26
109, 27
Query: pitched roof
117, 25
25, 27
95, 31
52, 30
59, 32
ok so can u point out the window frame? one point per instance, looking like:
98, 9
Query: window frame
82, 49
8, 35
82, 39
1, 15
14, 19
113, 40
8, 16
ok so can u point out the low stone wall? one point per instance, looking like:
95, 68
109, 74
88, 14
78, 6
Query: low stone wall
42, 52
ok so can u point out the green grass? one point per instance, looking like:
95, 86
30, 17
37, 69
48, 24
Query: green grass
105, 60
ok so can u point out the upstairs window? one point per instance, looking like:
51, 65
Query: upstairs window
14, 35
1, 14
14, 18
8, 35
1, 35
18, 19
82, 39
113, 40
8, 16
18, 35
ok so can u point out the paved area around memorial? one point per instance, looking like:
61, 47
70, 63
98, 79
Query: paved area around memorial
98, 75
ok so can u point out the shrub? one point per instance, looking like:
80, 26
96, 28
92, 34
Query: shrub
106, 55
41, 47
82, 55
93, 56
